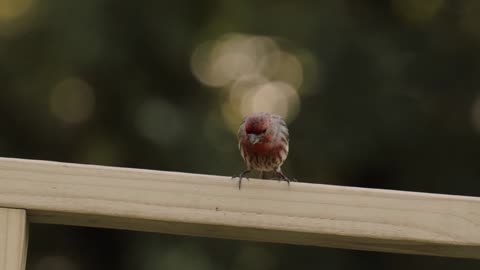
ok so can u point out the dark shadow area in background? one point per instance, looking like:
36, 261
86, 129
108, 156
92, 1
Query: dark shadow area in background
55, 247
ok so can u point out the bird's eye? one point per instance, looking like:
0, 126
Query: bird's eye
265, 130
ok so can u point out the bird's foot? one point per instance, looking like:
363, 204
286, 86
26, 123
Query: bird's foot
240, 177
283, 177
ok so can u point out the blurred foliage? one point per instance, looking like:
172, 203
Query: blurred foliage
381, 94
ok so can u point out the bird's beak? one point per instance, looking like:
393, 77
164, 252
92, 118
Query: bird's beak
253, 139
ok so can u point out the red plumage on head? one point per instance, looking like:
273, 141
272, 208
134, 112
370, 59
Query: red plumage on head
256, 124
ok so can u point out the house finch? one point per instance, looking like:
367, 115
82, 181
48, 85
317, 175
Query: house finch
263, 144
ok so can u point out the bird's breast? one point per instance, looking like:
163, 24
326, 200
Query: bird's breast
263, 156
261, 148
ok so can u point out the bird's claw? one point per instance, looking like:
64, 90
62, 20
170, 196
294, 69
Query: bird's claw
240, 177
283, 177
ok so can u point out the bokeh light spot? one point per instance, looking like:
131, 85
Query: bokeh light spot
201, 66
11, 9
283, 66
72, 101
243, 85
257, 74
233, 55
275, 97
160, 122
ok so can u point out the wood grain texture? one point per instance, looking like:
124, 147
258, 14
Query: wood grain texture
13, 239
212, 206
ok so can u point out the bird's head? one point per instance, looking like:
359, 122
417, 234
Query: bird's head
258, 128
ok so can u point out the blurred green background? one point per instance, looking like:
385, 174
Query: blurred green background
380, 94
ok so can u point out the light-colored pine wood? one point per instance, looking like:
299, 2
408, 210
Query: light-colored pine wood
272, 211
13, 239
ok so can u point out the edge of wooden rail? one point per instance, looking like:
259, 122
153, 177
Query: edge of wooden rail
271, 211
13, 239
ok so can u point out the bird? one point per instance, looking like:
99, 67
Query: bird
263, 143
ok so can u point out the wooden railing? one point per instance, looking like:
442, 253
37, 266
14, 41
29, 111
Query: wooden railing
213, 206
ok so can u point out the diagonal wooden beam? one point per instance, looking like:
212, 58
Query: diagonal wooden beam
212, 206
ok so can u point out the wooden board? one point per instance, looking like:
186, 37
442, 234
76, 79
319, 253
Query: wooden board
212, 206
13, 240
